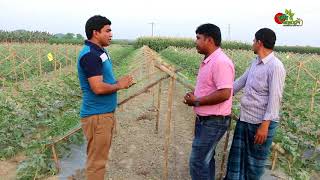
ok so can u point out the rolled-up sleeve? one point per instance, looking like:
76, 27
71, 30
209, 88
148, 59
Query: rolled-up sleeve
276, 85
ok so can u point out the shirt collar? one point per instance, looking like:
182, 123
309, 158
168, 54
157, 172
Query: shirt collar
266, 59
212, 55
95, 46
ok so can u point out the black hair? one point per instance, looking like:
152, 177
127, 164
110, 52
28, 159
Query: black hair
267, 37
96, 23
210, 30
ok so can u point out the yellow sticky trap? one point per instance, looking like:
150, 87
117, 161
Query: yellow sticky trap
50, 57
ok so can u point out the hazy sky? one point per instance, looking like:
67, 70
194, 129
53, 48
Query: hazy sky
178, 18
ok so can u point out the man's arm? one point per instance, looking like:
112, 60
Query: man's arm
223, 77
99, 87
240, 82
276, 85
216, 97
92, 66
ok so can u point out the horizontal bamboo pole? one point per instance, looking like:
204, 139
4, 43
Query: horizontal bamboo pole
76, 129
143, 90
175, 76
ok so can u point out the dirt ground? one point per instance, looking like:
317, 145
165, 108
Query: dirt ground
8, 167
137, 151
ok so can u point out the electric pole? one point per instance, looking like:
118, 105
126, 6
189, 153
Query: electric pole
152, 24
229, 32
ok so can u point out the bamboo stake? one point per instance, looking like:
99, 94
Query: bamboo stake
153, 89
150, 64
298, 76
76, 49
149, 68
23, 73
14, 66
55, 59
224, 156
143, 90
39, 59
60, 67
174, 75
313, 95
158, 106
20, 65
274, 159
122, 102
276, 149
168, 127
67, 57
55, 157
310, 74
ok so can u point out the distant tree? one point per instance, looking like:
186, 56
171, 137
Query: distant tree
79, 36
69, 36
59, 35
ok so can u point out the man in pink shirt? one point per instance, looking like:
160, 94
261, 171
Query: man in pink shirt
212, 101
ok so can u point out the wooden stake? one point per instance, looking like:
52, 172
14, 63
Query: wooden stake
14, 66
168, 128
60, 67
310, 74
158, 106
142, 90
55, 59
174, 75
23, 74
76, 49
313, 95
39, 59
274, 159
122, 102
224, 156
55, 157
153, 89
298, 76
67, 56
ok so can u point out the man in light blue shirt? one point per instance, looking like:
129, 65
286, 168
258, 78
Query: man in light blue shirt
263, 84
99, 94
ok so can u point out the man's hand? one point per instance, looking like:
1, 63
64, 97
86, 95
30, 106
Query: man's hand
125, 82
189, 99
262, 133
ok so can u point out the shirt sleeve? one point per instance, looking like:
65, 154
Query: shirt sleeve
91, 65
223, 74
240, 82
276, 85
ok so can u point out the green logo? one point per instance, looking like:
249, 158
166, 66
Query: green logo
286, 19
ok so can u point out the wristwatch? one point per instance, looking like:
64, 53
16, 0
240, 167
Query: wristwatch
196, 103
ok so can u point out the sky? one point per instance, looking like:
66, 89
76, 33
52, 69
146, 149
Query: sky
172, 18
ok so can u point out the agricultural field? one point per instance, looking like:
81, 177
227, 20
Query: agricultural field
36, 107
40, 99
299, 131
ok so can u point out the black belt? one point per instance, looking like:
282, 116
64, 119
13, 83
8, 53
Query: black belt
220, 117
